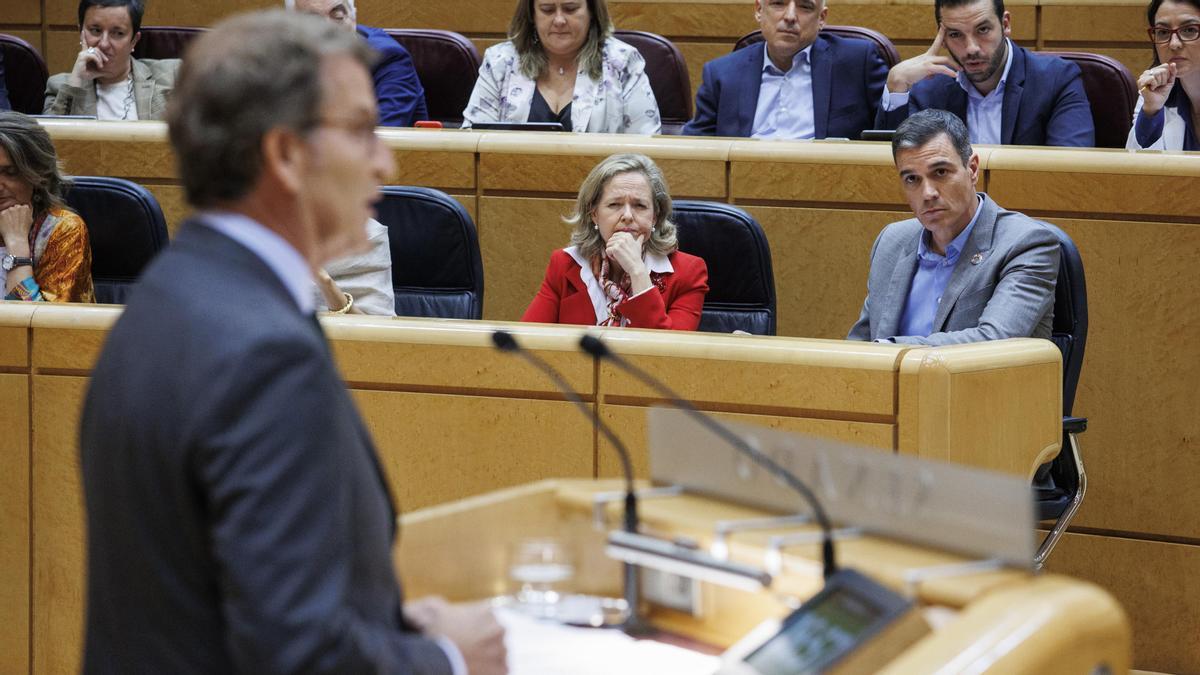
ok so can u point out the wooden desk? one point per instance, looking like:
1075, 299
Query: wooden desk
452, 417
1005, 622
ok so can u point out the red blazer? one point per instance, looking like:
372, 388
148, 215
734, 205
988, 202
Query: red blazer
563, 297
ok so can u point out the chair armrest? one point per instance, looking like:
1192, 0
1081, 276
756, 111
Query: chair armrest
1074, 425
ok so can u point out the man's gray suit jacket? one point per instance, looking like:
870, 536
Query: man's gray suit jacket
238, 519
1001, 287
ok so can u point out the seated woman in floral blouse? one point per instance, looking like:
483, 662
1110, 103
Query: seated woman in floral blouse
45, 253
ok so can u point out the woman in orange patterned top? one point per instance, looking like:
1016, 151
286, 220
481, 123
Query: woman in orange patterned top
45, 254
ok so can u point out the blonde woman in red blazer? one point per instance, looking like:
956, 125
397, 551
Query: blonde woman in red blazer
623, 267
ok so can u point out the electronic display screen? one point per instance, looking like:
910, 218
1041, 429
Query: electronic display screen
816, 636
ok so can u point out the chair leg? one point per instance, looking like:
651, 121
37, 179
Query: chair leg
1060, 526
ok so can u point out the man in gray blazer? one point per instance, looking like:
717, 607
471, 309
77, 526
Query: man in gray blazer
238, 518
963, 270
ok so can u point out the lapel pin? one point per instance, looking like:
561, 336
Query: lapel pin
977, 258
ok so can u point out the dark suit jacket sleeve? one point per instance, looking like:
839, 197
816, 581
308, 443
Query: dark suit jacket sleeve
1018, 301
545, 305
861, 330
398, 89
281, 503
1070, 122
708, 97
679, 306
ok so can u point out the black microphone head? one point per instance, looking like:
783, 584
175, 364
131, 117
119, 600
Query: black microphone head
594, 346
504, 341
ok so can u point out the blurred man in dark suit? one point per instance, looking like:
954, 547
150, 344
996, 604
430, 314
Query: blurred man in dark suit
238, 519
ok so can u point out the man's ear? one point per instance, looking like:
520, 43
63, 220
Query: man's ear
1006, 23
284, 158
973, 166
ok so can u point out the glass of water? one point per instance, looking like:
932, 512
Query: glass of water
539, 570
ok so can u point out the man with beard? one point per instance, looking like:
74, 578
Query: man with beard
1005, 93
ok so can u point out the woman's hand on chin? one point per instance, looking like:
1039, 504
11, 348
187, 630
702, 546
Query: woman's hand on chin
625, 250
15, 224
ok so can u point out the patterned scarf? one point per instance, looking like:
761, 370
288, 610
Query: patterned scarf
616, 292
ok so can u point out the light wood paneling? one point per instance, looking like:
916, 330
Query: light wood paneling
516, 237
59, 346
21, 11
467, 16
58, 524
696, 54
437, 447
131, 159
729, 20
818, 172
14, 333
1155, 583
14, 522
943, 391
1138, 385
1093, 21
629, 424
173, 202
1092, 183
820, 258
62, 46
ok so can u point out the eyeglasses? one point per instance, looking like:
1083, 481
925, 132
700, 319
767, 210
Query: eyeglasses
1162, 35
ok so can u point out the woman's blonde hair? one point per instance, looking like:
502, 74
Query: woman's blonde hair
586, 237
533, 60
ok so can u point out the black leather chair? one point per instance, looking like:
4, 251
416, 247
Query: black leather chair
165, 42
1112, 93
741, 283
126, 228
447, 64
1059, 498
437, 269
668, 76
884, 46
25, 75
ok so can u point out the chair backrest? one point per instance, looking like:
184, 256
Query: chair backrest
25, 75
165, 42
1112, 92
741, 283
887, 50
1070, 328
126, 228
447, 65
437, 269
668, 76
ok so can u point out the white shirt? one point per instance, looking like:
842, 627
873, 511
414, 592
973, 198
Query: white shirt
111, 98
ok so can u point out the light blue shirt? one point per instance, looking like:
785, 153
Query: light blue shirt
983, 112
285, 261
930, 281
785, 100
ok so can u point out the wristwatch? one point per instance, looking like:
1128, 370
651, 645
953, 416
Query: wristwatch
8, 262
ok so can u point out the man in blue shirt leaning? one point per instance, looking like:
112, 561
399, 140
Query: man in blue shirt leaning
963, 270
1005, 93
798, 83
398, 90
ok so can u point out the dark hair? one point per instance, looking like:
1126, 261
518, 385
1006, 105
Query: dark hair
923, 127
1151, 12
522, 30
248, 75
136, 9
32, 154
938, 5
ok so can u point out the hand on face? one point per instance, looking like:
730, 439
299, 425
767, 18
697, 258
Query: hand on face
1155, 86
905, 74
625, 249
15, 224
89, 64
471, 627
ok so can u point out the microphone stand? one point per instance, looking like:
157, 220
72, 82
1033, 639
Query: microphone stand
634, 624
596, 347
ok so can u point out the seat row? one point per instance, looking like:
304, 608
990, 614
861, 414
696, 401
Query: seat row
448, 64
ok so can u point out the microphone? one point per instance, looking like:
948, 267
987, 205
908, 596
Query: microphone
596, 347
505, 342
